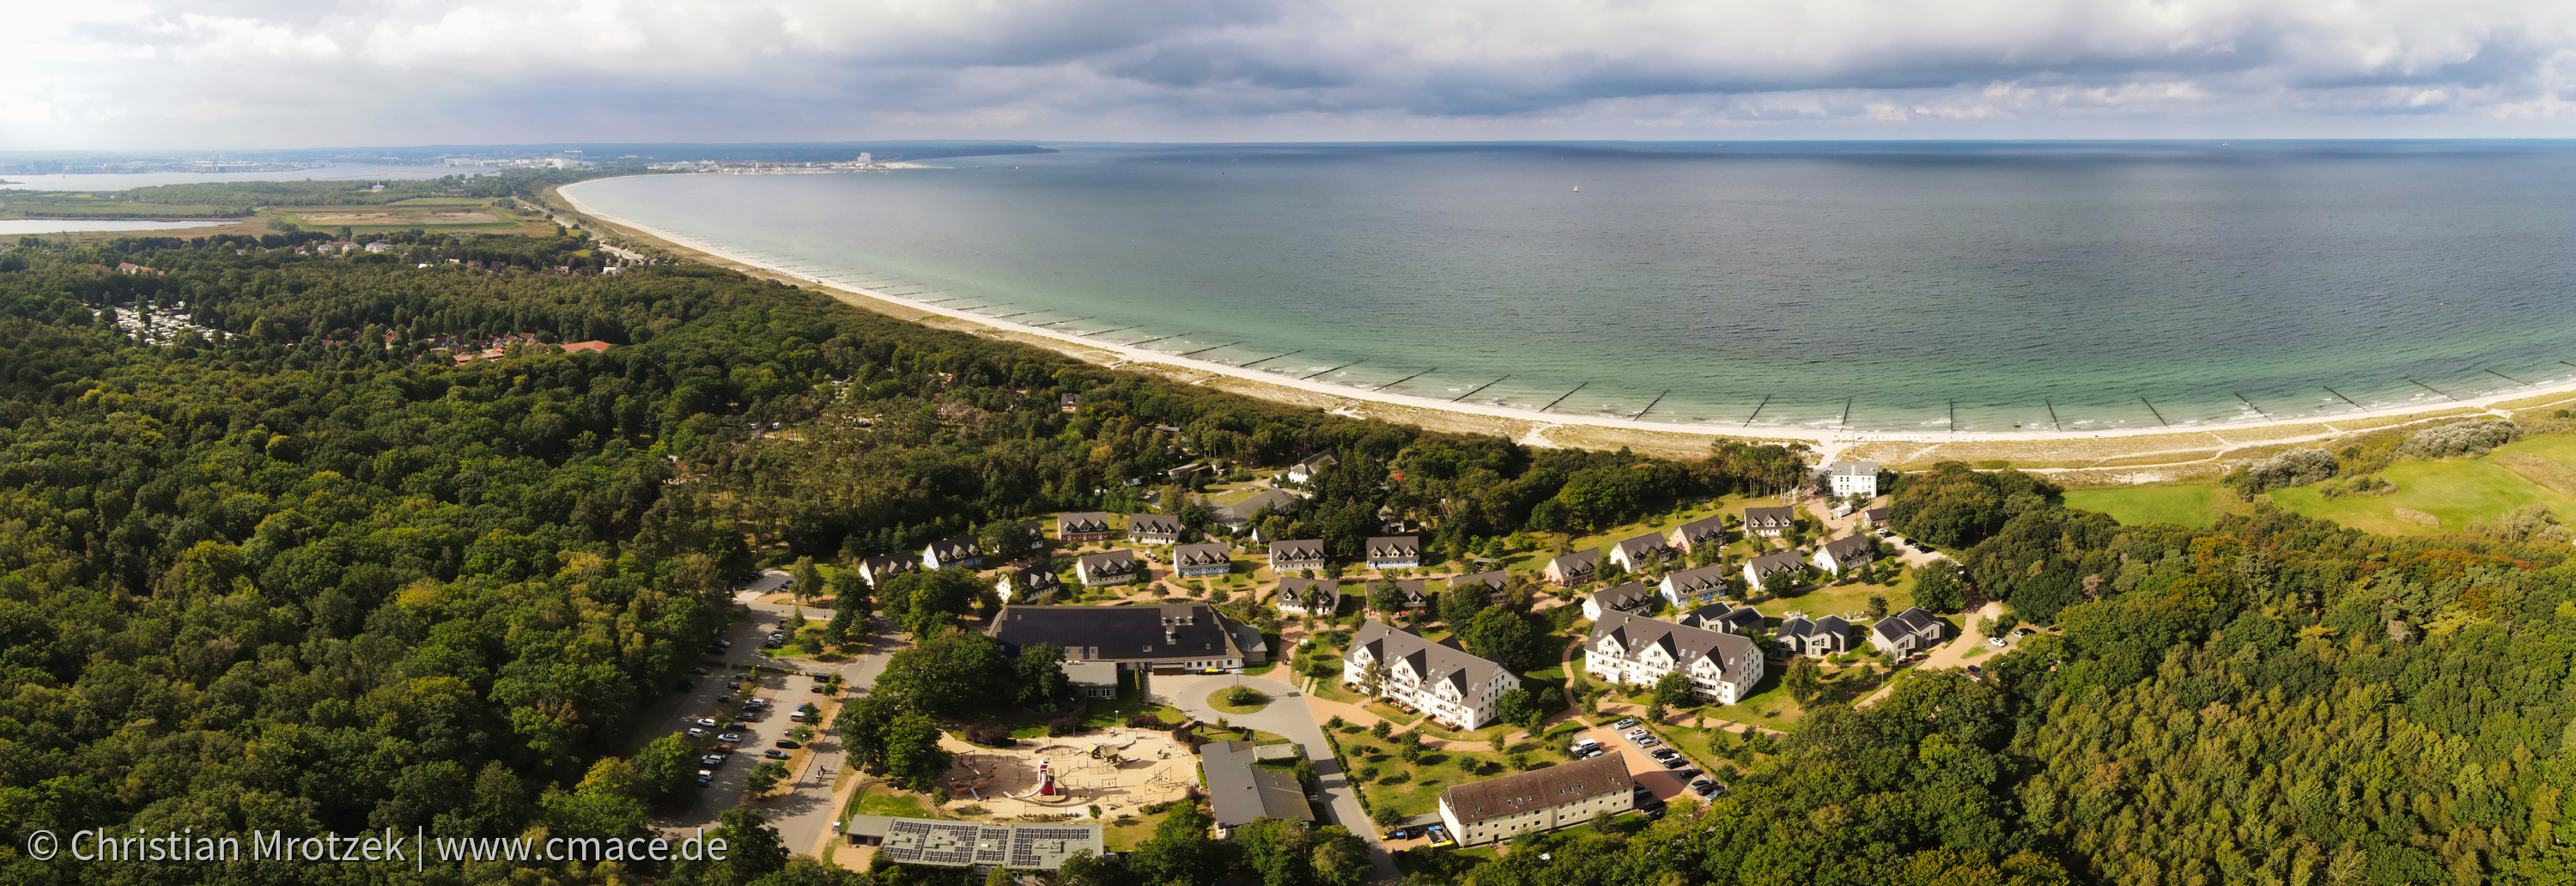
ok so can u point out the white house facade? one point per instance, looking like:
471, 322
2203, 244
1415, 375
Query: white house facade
1446, 682
1636, 650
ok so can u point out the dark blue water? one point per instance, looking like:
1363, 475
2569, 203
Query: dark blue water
1885, 281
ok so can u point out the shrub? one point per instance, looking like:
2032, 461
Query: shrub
1146, 721
973, 809
2297, 467
1245, 696
990, 736
2363, 485
2466, 438
1065, 725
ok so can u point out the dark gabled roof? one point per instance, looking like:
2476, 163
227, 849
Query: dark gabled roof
1110, 562
1038, 576
1476, 801
1716, 615
1158, 524
1782, 561
1435, 661
1394, 546
1876, 515
1847, 547
1909, 621
1416, 591
1626, 597
1712, 525
1702, 578
1317, 460
1082, 521
1121, 632
1684, 643
1584, 560
1202, 554
1793, 628
1643, 546
1295, 589
1240, 791
1494, 581
1301, 549
1768, 516
890, 564
955, 546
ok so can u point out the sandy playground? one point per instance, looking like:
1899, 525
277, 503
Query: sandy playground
1117, 769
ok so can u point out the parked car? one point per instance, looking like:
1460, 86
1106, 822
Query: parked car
2019, 633
789, 744
1400, 834
729, 737
711, 760
1647, 742
1687, 773
1623, 724
1703, 787
1439, 836
695, 732
723, 697
1676, 762
1996, 642
1976, 673
702, 721
1661, 753
724, 748
704, 776
774, 754
1643, 792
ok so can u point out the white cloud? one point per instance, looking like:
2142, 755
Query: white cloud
254, 73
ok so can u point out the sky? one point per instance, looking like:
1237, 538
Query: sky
250, 74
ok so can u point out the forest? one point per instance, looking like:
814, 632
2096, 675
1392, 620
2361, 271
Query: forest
311, 573
308, 572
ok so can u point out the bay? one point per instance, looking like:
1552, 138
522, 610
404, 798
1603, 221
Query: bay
1867, 286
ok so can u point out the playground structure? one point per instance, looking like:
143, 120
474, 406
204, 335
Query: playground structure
1113, 769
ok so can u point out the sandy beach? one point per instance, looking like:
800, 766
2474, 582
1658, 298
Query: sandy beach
2131, 455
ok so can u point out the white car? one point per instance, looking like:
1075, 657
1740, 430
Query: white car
695, 732
1996, 642
702, 721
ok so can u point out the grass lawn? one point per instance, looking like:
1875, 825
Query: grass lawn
1218, 701
1417, 786
2457, 491
883, 800
1850, 601
1126, 831
2190, 504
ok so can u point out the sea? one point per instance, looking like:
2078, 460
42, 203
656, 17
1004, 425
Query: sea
1856, 287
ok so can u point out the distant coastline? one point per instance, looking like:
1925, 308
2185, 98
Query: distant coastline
2106, 445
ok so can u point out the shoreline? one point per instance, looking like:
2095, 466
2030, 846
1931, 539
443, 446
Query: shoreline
1353, 400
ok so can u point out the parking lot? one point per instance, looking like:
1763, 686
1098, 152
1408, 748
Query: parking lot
1650, 773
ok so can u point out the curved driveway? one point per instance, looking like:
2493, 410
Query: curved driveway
1287, 715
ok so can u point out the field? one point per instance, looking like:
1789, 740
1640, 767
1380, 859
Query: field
77, 205
2455, 490
427, 213
2190, 504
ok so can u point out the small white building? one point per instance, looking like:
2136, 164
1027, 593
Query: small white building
1850, 478
1759, 568
1906, 633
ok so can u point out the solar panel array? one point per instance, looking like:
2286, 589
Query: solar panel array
962, 844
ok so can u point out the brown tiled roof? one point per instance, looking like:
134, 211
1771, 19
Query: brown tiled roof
1476, 801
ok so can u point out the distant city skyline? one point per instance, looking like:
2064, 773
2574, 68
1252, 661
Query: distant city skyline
266, 74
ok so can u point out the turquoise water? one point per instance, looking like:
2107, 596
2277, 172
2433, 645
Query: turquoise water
1868, 286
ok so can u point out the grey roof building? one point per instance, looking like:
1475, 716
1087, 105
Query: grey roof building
1769, 521
1190, 636
1293, 593
1821, 637
1575, 568
1495, 809
1631, 597
1695, 586
1690, 536
1635, 650
1110, 568
1153, 529
1241, 514
1744, 620
1203, 559
1288, 557
1084, 526
1453, 685
1242, 792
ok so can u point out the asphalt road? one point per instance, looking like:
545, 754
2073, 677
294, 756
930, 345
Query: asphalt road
804, 815
1287, 715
